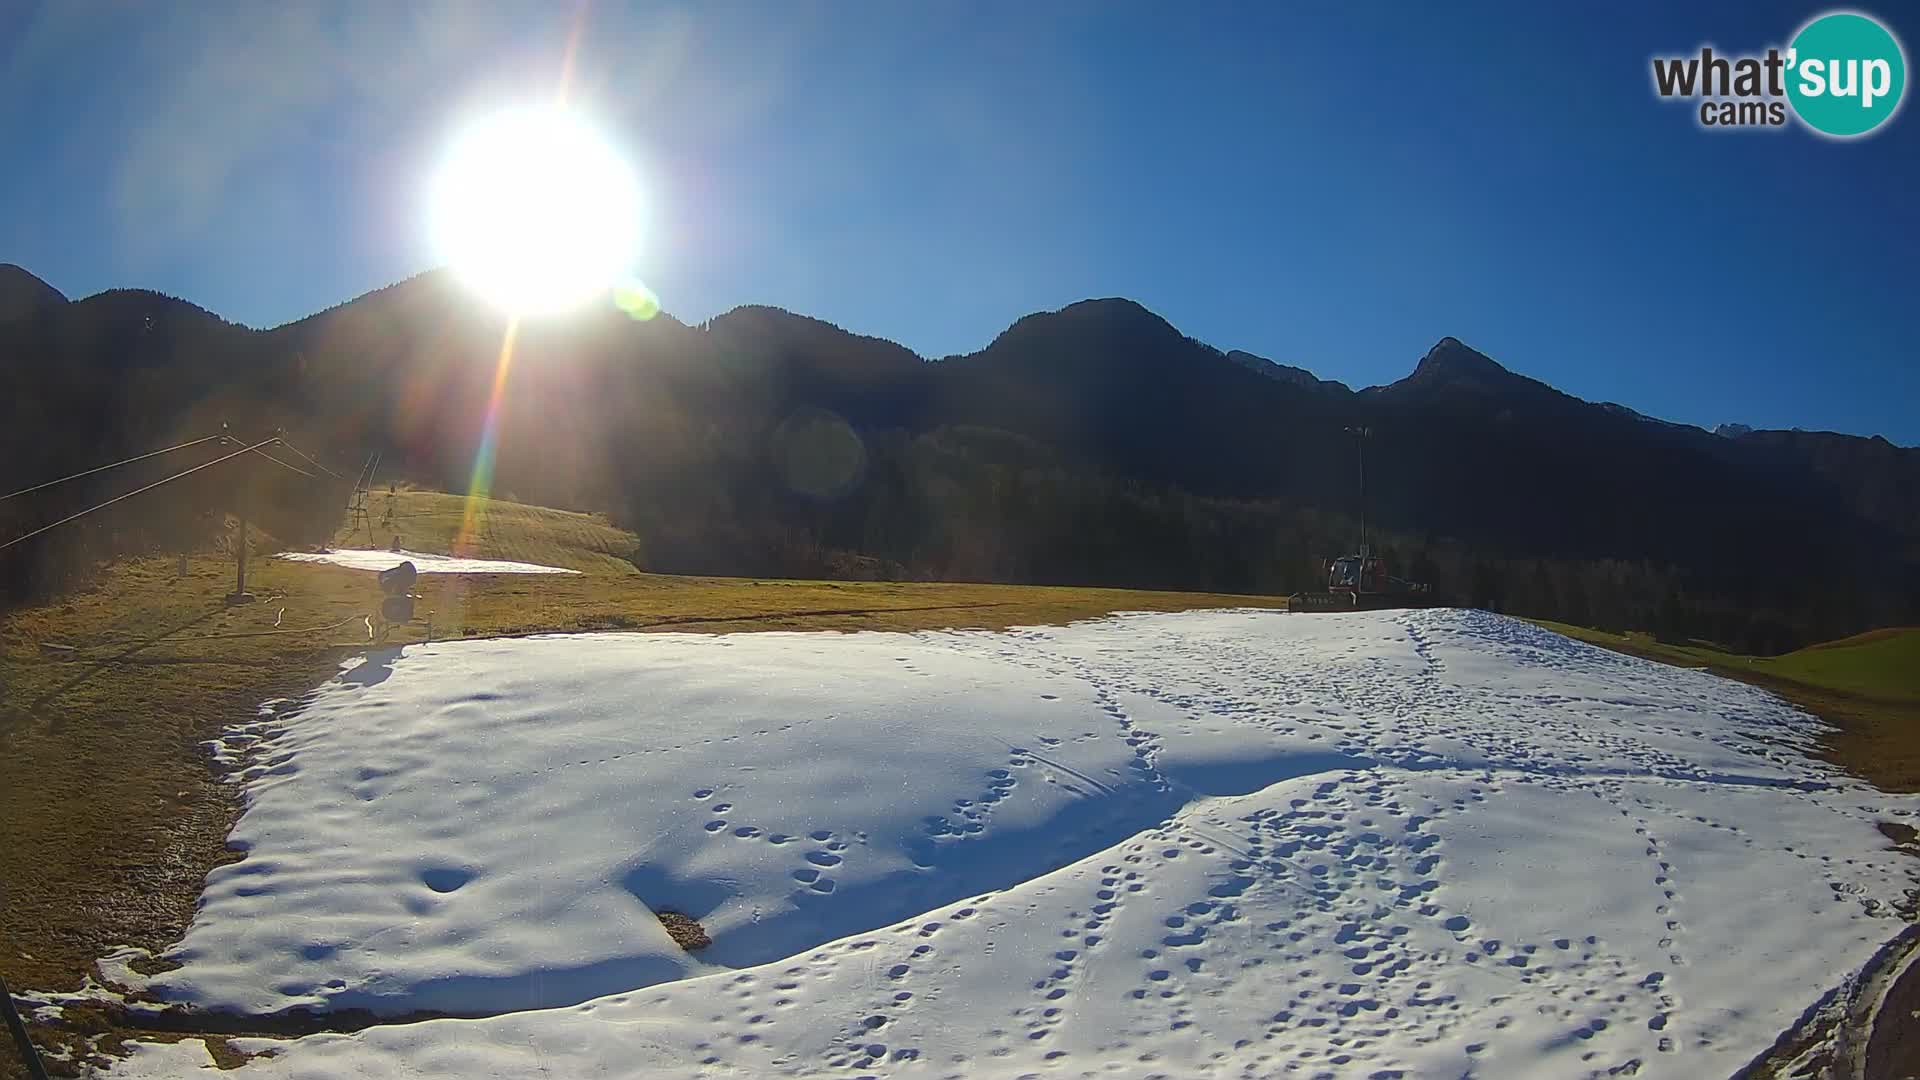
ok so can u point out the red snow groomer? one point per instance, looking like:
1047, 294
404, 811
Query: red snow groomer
1361, 583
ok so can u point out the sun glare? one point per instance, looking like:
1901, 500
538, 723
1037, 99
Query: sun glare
536, 210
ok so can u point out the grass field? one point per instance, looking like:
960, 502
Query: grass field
1879, 663
106, 697
1867, 686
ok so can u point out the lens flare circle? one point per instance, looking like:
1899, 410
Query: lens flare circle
535, 209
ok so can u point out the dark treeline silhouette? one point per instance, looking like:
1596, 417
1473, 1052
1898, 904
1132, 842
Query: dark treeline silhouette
128, 372
1093, 445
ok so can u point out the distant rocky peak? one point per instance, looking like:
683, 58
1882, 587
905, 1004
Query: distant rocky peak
1452, 358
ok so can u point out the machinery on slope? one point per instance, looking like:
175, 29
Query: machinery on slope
1360, 582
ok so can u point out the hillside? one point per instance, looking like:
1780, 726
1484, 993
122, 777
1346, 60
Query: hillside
1879, 663
437, 522
1088, 748
23, 295
1208, 844
110, 695
1094, 445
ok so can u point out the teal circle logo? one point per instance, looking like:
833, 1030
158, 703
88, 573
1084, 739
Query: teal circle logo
1845, 74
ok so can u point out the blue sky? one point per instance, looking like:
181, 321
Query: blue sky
1335, 186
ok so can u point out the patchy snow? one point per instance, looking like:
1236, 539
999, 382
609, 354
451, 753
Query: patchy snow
426, 563
1210, 843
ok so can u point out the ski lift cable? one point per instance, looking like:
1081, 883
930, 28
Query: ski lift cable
273, 459
115, 465
309, 460
360, 478
136, 491
284, 465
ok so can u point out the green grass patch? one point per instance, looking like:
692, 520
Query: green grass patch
1880, 663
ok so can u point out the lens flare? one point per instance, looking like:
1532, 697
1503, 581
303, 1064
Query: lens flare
638, 301
480, 484
536, 210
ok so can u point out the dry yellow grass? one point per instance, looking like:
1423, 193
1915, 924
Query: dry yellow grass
501, 529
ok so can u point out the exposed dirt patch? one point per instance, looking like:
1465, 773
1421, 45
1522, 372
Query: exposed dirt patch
1863, 1029
1893, 1046
225, 1056
684, 931
89, 1034
1881, 634
1903, 836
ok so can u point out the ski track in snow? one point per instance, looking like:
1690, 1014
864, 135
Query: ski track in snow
1433, 843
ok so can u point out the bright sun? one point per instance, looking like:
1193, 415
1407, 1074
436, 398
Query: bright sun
536, 210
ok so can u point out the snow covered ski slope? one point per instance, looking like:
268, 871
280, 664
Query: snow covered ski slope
1222, 843
424, 562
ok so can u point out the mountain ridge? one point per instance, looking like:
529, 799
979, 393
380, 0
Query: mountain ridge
1449, 359
1092, 444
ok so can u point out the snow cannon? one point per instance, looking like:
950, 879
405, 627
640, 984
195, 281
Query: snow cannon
396, 608
399, 580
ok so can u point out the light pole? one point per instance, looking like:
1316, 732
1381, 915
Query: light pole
1360, 436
